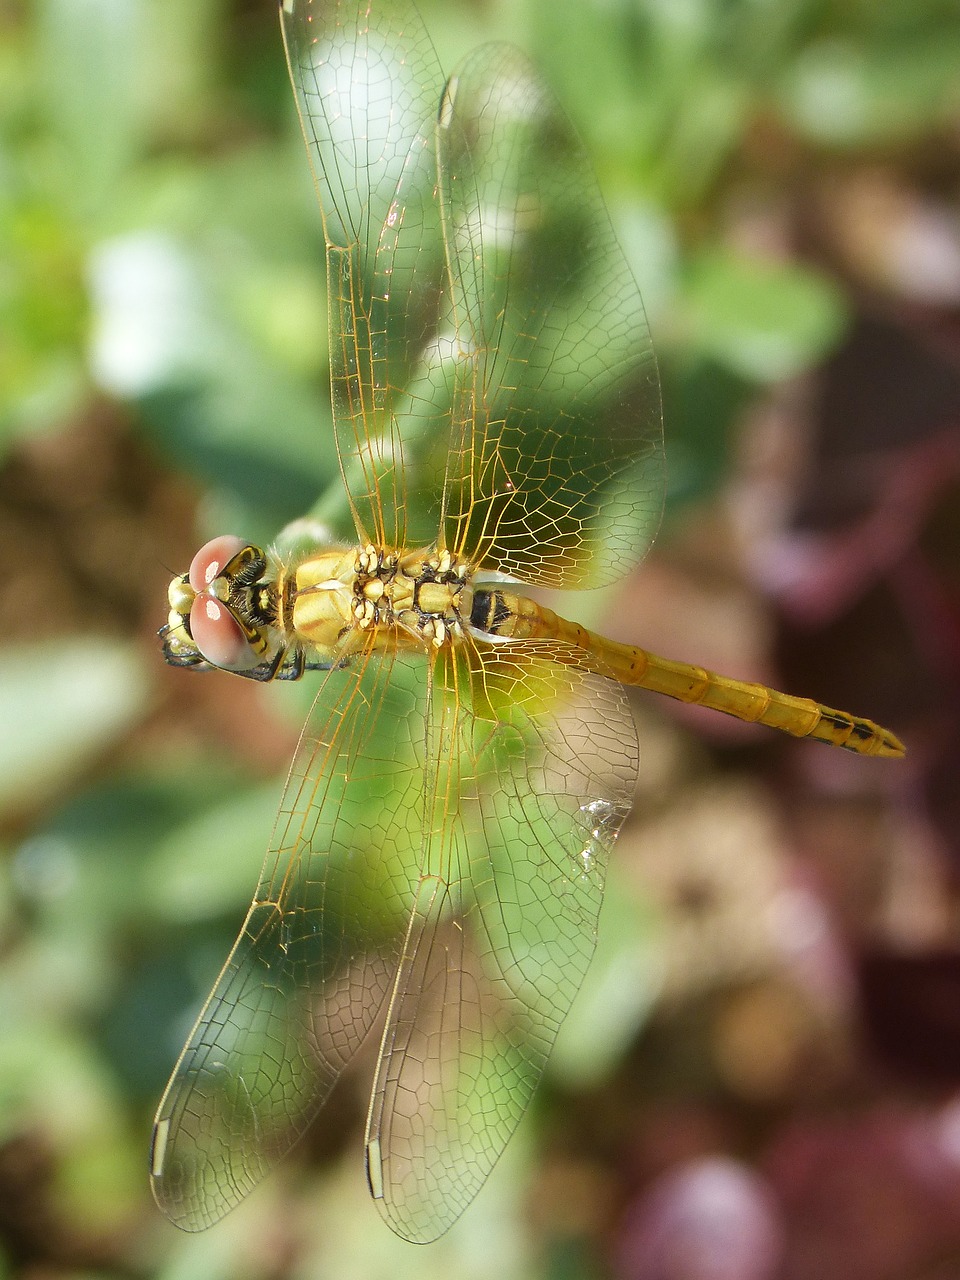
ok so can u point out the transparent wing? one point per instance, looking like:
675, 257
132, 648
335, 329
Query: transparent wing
318, 950
532, 767
368, 85
555, 473
490, 359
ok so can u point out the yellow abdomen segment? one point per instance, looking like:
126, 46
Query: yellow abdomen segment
801, 717
519, 618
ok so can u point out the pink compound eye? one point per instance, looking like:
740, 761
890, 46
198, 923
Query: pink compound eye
217, 635
211, 559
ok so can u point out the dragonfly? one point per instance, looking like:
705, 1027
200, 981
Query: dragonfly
436, 870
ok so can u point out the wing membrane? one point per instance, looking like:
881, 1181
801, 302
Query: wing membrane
555, 471
367, 84
489, 352
317, 953
532, 770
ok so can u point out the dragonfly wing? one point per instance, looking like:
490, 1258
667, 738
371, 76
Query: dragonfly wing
367, 84
488, 345
317, 953
531, 770
555, 458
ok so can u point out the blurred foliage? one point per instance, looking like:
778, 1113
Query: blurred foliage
784, 176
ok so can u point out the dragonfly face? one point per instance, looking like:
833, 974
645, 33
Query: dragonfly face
224, 611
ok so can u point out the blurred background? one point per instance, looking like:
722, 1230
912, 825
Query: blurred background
761, 1078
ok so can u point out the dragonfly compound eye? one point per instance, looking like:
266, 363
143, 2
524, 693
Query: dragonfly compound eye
214, 627
218, 635
212, 558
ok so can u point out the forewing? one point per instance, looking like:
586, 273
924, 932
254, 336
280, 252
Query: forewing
318, 950
368, 86
532, 769
555, 450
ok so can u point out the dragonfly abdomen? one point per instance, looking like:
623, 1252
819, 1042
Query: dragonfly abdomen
505, 615
758, 704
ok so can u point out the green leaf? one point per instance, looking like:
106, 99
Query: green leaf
214, 399
61, 704
765, 321
620, 989
851, 93
89, 55
209, 865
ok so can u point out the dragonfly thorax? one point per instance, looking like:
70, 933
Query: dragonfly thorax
408, 599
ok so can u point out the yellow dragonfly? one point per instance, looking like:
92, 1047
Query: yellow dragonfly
437, 865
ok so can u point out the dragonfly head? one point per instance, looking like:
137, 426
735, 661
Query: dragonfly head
223, 612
